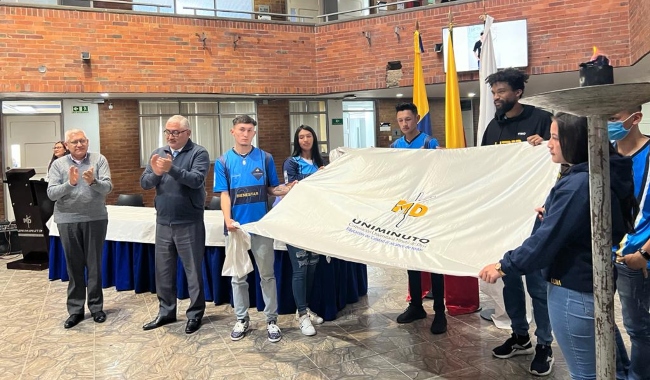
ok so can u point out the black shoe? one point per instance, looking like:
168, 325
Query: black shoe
73, 320
542, 363
192, 326
159, 321
439, 324
412, 313
515, 345
99, 317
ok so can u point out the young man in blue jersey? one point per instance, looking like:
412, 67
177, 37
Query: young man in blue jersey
632, 258
245, 176
412, 138
407, 119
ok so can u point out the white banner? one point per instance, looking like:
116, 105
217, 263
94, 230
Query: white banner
444, 211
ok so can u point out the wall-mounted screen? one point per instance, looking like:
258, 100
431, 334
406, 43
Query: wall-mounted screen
510, 41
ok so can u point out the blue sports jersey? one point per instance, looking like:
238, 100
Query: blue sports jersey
297, 169
417, 143
247, 180
632, 242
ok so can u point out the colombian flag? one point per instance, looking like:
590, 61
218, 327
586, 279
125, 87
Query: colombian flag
419, 90
461, 293
454, 132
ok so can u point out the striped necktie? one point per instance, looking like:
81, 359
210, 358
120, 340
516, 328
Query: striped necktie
175, 153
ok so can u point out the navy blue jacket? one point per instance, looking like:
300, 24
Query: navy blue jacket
562, 242
180, 193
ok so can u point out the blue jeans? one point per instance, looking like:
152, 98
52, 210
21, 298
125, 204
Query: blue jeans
634, 292
514, 300
572, 318
304, 267
262, 248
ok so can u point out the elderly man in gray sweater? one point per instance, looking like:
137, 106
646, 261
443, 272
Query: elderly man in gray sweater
79, 183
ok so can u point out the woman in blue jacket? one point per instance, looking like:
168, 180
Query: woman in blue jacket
304, 161
561, 244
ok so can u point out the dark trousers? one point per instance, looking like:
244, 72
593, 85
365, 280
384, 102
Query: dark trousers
186, 241
437, 290
83, 244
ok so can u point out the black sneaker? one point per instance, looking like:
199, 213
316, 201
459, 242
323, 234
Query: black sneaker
515, 345
439, 324
412, 313
542, 364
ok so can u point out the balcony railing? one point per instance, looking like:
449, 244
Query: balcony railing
210, 8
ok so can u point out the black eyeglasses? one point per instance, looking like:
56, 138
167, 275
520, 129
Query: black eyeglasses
174, 133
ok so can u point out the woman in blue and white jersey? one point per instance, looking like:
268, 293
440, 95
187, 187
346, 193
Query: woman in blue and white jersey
304, 161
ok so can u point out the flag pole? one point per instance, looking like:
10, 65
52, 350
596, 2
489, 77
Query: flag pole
451, 23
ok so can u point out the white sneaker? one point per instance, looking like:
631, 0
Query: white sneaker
274, 332
305, 325
239, 331
313, 316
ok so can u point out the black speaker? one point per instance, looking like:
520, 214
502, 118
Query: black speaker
9, 243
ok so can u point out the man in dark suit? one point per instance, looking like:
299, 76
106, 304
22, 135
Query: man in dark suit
178, 172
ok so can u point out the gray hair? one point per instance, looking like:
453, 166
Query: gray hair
71, 132
243, 119
181, 120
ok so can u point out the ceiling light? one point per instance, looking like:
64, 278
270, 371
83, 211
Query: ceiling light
104, 94
399, 95
350, 96
471, 94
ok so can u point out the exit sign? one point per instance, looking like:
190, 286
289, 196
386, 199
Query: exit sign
337, 121
79, 109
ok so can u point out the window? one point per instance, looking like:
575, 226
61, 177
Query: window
10, 107
313, 114
210, 123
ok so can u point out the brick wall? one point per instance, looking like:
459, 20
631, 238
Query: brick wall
119, 133
134, 53
561, 35
639, 14
273, 131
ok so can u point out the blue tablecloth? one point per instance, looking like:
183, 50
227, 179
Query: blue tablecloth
130, 266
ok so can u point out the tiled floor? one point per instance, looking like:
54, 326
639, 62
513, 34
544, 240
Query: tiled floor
364, 342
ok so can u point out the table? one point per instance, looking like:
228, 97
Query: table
129, 256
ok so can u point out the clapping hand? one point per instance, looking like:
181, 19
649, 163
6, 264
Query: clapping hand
165, 163
73, 175
89, 175
160, 165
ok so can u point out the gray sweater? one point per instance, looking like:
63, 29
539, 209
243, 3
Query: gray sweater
82, 202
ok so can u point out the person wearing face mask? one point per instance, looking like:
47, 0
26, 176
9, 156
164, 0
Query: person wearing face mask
561, 243
512, 123
632, 258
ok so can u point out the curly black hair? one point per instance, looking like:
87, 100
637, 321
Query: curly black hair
515, 78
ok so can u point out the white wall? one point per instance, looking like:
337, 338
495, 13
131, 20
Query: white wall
89, 122
335, 111
644, 126
350, 5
